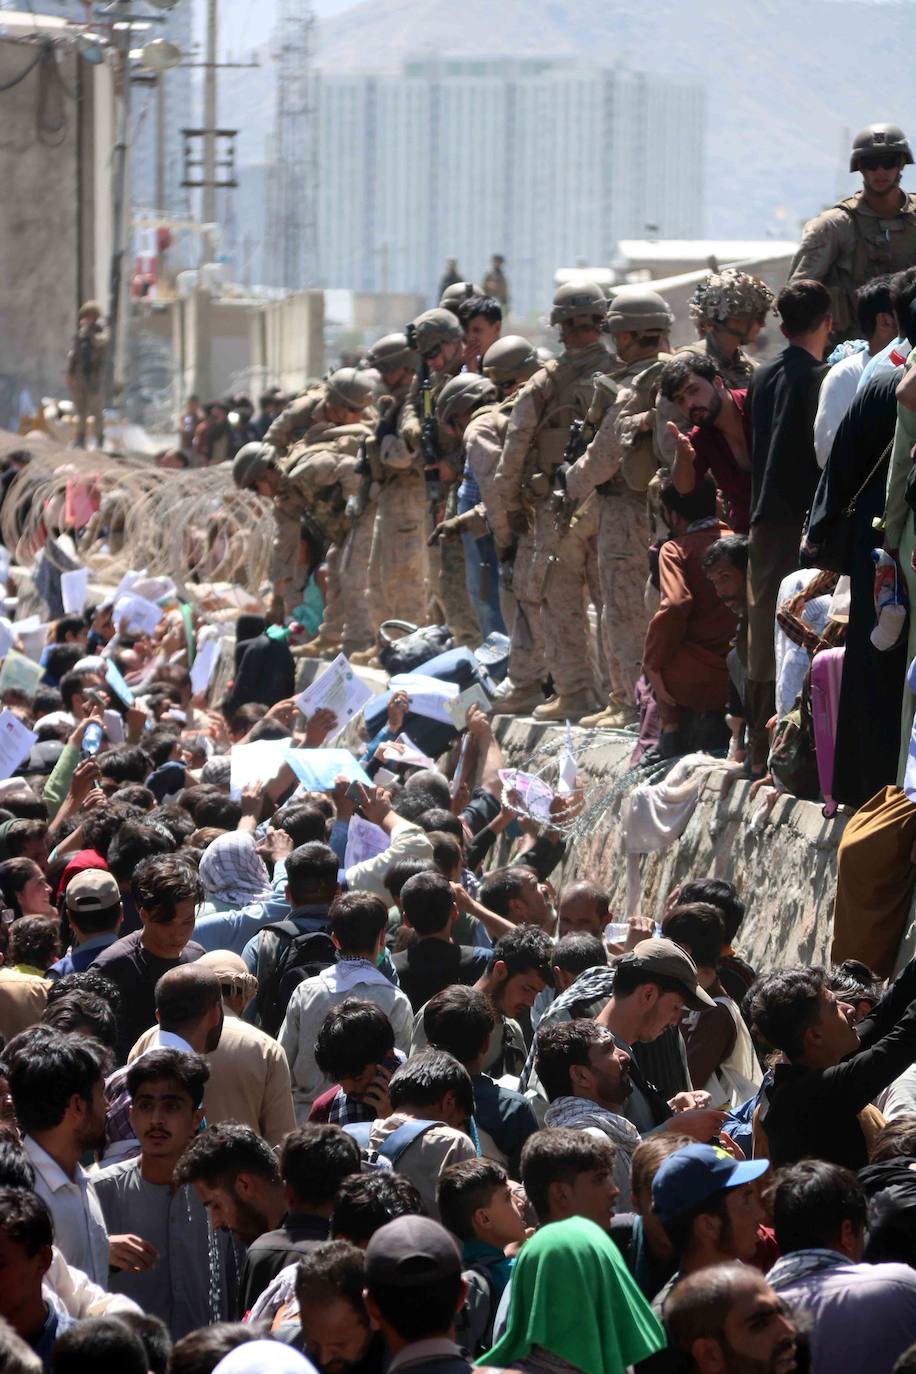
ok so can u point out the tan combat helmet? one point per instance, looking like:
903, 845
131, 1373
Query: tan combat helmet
390, 354
93, 308
431, 330
510, 359
637, 310
349, 389
877, 139
730, 295
250, 464
578, 300
465, 392
457, 294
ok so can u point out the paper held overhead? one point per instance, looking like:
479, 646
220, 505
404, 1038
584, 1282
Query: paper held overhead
427, 696
319, 769
140, 614
258, 762
19, 671
16, 743
338, 690
364, 841
204, 663
526, 793
73, 590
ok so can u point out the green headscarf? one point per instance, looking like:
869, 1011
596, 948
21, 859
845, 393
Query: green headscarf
573, 1295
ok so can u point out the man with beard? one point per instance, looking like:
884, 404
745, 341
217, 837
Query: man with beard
727, 1320
56, 1083
587, 1079
334, 1327
720, 439
172, 1277
236, 1175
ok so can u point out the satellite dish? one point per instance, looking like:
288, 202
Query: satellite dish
90, 48
160, 55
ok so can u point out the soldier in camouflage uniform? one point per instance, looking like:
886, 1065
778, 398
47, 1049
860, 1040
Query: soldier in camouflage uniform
291, 485
729, 309
86, 372
536, 440
508, 364
439, 339
617, 466
393, 360
339, 400
866, 236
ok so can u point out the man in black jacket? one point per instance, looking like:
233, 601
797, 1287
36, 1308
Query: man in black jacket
782, 399
819, 1102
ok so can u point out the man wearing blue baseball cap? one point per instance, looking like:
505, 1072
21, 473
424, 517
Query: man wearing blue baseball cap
709, 1208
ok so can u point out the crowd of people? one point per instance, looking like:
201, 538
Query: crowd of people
354, 1078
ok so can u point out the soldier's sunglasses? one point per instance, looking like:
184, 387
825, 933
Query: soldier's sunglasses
883, 160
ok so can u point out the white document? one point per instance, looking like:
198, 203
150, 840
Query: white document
33, 640
114, 727
319, 769
427, 696
339, 690
73, 590
258, 762
569, 769
15, 743
140, 614
204, 663
364, 841
472, 696
6, 636
403, 750
19, 671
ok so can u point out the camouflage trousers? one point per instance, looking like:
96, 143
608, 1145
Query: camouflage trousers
568, 564
89, 401
527, 661
286, 569
359, 624
459, 612
331, 630
398, 559
622, 543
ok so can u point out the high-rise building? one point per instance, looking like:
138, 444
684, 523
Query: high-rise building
546, 162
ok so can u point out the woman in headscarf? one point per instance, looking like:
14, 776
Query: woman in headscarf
233, 874
574, 1307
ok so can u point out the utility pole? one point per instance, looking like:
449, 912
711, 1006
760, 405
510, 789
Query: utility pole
118, 297
161, 193
208, 204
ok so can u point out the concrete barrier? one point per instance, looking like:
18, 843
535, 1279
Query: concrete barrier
784, 868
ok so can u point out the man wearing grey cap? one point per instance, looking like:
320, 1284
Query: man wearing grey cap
414, 1290
95, 914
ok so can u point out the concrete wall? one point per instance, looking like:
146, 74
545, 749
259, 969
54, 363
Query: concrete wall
53, 180
785, 868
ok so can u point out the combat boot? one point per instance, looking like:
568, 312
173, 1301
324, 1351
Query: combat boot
561, 708
613, 717
521, 701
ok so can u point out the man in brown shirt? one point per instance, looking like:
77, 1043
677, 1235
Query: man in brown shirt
688, 638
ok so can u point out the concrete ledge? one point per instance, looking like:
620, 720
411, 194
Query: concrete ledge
785, 868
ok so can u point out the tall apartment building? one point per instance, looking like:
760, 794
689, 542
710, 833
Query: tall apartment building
547, 162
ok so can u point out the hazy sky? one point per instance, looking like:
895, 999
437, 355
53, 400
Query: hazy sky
246, 21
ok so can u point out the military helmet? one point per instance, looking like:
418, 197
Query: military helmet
458, 292
730, 295
390, 354
510, 359
251, 462
90, 308
467, 391
639, 310
576, 299
349, 388
879, 138
432, 329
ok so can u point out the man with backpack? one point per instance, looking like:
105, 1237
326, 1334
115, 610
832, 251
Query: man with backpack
432, 1102
359, 921
286, 952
